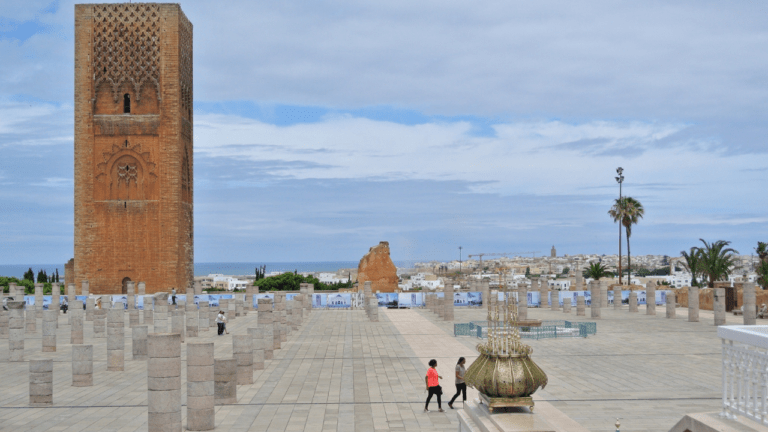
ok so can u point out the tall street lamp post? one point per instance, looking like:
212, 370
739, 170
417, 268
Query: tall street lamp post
459, 259
620, 180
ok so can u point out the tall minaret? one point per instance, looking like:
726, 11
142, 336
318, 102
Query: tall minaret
133, 147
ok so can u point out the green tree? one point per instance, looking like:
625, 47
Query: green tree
566, 270
527, 272
762, 267
693, 263
596, 271
42, 277
717, 260
29, 275
628, 211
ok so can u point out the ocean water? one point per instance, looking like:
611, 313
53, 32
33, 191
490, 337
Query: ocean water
227, 268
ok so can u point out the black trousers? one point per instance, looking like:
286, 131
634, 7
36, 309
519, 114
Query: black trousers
174, 299
433, 391
460, 388
221, 327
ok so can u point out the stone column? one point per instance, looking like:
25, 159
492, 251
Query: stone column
161, 314
232, 310
39, 300
554, 299
617, 297
77, 316
49, 330
750, 303
15, 331
40, 382
133, 318
522, 302
115, 340
84, 289
192, 319
178, 324
264, 320
242, 350
139, 342
567, 305
131, 291
719, 306
225, 381
30, 315
82, 365
149, 310
200, 407
100, 323
650, 298
90, 308
142, 288
543, 292
248, 305
595, 302
441, 307
198, 288
633, 301
373, 304
212, 312
70, 297
298, 308
202, 316
581, 306
671, 304
56, 301
164, 382
279, 317
603, 286
257, 339
485, 290
3, 322
448, 303
693, 304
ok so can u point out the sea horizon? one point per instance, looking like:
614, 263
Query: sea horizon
227, 268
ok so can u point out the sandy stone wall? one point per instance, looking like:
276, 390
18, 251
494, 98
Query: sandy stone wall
377, 267
133, 172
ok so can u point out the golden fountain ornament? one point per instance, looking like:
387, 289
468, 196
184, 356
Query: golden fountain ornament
504, 374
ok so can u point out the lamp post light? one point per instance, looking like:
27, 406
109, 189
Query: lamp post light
620, 180
460, 259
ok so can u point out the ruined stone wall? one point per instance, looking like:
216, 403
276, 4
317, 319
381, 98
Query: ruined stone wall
133, 172
377, 267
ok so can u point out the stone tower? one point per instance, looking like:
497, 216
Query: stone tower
553, 252
133, 146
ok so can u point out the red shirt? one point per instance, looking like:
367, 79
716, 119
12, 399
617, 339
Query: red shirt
432, 378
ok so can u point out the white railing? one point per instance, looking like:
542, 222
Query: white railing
745, 372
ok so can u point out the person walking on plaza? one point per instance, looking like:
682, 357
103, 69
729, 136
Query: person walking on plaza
64, 304
461, 386
173, 295
221, 323
433, 385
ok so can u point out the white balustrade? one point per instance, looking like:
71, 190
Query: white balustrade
745, 372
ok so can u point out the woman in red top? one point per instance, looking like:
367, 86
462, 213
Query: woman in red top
433, 385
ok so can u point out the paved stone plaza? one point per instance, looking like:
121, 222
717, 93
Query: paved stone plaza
341, 372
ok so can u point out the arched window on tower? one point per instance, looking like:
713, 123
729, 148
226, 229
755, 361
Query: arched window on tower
126, 103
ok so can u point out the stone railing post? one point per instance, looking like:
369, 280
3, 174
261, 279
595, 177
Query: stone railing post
581, 306
671, 304
242, 352
719, 306
650, 298
567, 305
693, 304
116, 340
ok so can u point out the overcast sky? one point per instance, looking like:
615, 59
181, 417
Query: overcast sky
324, 127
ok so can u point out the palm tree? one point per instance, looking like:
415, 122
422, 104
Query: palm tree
628, 211
633, 212
693, 263
596, 271
717, 260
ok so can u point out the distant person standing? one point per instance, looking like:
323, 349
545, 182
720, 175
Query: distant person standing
173, 295
461, 386
64, 304
433, 385
221, 323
